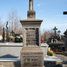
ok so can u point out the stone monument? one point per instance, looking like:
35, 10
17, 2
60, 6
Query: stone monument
31, 54
31, 25
65, 40
32, 57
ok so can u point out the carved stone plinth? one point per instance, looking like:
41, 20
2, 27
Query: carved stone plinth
32, 34
32, 56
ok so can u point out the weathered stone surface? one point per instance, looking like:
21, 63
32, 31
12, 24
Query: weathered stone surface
31, 56
7, 64
10, 49
10, 64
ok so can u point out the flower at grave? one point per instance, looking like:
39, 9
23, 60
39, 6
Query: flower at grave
50, 52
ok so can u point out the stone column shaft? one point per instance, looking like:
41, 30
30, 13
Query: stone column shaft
31, 5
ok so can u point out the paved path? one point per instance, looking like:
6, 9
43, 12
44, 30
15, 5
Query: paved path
64, 58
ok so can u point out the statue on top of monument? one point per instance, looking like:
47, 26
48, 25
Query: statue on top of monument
30, 5
31, 12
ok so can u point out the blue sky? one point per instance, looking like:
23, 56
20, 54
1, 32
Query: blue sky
50, 11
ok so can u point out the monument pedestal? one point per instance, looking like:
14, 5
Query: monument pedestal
32, 34
32, 56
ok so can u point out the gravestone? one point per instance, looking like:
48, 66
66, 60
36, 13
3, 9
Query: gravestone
32, 57
31, 54
31, 26
32, 35
65, 40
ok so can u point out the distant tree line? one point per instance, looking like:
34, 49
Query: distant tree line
12, 28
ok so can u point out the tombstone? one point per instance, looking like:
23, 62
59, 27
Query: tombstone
31, 54
65, 40
44, 47
32, 57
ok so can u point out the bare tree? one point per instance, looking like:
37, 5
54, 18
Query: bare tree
1, 27
14, 23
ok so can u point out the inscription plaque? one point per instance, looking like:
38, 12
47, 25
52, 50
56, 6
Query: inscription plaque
32, 57
32, 36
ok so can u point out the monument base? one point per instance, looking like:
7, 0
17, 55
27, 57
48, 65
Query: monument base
32, 56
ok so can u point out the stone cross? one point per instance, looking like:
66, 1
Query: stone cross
55, 29
31, 5
31, 54
31, 12
65, 12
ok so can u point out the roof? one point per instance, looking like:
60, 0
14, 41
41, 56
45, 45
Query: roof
8, 56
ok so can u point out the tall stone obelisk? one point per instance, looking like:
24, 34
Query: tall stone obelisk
31, 54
